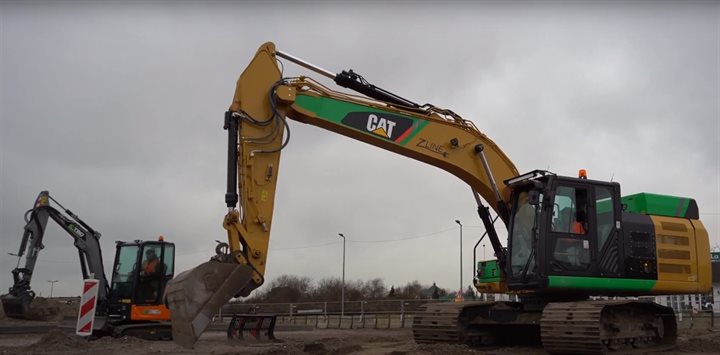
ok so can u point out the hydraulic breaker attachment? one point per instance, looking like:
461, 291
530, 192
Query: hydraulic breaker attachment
259, 326
196, 295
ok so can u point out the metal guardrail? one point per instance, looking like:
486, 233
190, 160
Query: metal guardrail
351, 308
366, 321
383, 314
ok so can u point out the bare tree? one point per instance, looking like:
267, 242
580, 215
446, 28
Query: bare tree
286, 288
374, 289
300, 283
328, 289
354, 290
413, 290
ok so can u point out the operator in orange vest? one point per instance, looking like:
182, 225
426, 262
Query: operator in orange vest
149, 281
578, 226
150, 266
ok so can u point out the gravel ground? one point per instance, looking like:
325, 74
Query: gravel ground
317, 341
696, 337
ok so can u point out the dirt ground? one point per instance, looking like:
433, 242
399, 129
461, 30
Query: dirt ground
315, 341
59, 339
358, 341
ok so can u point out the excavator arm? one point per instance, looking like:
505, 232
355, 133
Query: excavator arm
17, 302
257, 133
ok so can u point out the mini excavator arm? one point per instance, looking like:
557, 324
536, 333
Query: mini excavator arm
16, 302
258, 131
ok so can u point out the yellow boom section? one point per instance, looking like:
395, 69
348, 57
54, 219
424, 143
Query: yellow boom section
262, 101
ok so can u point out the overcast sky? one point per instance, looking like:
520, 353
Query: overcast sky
116, 108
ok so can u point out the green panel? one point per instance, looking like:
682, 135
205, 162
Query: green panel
659, 205
599, 283
489, 271
329, 109
336, 111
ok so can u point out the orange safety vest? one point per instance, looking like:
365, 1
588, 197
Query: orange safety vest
151, 265
578, 228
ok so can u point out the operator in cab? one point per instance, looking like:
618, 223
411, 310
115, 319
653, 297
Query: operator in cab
151, 264
578, 226
150, 276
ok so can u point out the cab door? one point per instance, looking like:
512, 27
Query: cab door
157, 266
168, 259
572, 233
608, 216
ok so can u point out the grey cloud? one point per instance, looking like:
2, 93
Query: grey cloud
116, 108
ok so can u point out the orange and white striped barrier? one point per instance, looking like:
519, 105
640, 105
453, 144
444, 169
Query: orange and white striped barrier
88, 302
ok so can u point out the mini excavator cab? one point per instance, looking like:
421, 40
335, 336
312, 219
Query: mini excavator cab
140, 273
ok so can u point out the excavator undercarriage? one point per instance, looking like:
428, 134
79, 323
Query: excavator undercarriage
582, 327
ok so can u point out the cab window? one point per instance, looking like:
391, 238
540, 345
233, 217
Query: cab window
523, 233
605, 214
570, 210
124, 273
571, 250
169, 259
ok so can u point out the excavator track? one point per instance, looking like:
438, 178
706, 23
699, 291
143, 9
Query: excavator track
439, 323
599, 327
147, 331
476, 324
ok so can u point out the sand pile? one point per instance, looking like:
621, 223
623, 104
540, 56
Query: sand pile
70, 308
58, 340
44, 309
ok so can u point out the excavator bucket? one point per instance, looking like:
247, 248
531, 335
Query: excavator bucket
259, 326
24, 307
196, 295
16, 306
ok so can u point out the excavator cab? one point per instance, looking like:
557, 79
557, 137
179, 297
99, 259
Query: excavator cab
140, 274
577, 237
562, 228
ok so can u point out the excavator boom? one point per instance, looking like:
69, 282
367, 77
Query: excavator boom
258, 131
17, 301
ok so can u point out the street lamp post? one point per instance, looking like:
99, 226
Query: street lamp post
342, 292
52, 283
461, 263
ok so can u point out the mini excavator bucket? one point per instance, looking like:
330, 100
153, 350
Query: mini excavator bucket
25, 306
16, 306
196, 295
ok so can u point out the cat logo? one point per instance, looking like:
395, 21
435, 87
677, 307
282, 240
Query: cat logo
380, 126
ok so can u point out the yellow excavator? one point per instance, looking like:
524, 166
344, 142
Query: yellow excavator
570, 239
